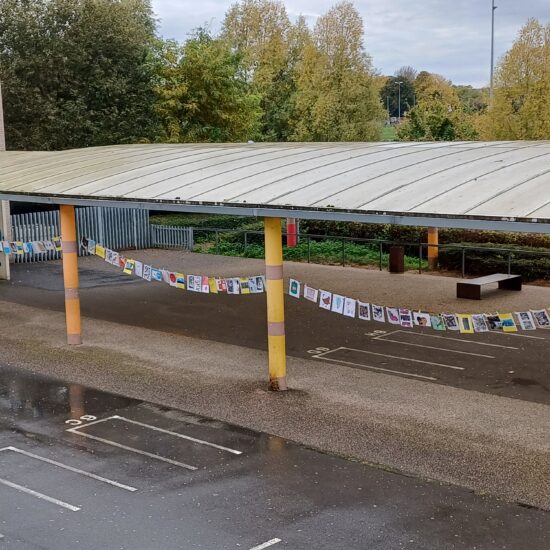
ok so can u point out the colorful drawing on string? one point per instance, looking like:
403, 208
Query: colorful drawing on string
294, 288
311, 294
422, 319
541, 318
363, 311
437, 322
493, 322
325, 299
378, 313
349, 307
480, 323
508, 322
337, 304
405, 318
393, 316
451, 321
526, 320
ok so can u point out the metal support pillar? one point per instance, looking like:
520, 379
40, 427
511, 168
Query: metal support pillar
291, 232
5, 226
275, 304
433, 247
70, 273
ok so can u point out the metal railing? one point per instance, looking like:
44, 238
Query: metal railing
166, 236
416, 250
116, 228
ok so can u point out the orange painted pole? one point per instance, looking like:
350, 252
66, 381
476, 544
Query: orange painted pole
70, 273
275, 304
433, 247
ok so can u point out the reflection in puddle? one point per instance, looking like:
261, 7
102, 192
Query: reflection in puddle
29, 395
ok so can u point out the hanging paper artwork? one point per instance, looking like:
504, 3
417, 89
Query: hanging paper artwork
147, 272
138, 268
245, 288
233, 286
465, 324
129, 267
213, 286
325, 299
378, 313
221, 284
294, 288
437, 322
180, 281
541, 318
405, 318
27, 248
493, 322
57, 243
173, 278
100, 251
422, 319
91, 246
451, 322
480, 323
156, 275
349, 307
508, 322
393, 316
39, 248
363, 311
311, 294
526, 320
6, 249
50, 247
337, 304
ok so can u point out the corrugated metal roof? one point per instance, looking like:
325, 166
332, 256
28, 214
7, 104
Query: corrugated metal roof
459, 180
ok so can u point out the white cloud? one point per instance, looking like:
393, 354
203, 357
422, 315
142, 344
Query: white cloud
451, 37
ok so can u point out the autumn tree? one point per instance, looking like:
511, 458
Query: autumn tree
76, 73
201, 97
337, 96
521, 105
438, 115
398, 95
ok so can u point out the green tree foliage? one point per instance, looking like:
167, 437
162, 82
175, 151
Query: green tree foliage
76, 72
521, 105
390, 94
337, 98
200, 95
438, 115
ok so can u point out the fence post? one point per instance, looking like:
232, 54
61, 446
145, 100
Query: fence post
343, 253
135, 231
420, 258
509, 263
245, 240
308, 250
381, 254
463, 262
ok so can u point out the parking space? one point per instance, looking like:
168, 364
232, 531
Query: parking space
85, 469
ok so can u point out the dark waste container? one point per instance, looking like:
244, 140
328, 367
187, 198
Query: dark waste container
397, 259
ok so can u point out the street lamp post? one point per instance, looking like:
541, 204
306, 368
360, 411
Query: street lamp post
399, 100
492, 48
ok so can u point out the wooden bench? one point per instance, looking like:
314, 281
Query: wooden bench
471, 289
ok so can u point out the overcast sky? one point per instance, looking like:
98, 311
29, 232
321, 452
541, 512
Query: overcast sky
450, 37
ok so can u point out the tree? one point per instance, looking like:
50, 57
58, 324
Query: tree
394, 88
337, 96
76, 73
438, 114
521, 108
408, 72
200, 94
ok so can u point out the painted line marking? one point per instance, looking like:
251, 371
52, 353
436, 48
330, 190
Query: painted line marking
381, 369
156, 429
70, 468
461, 340
519, 335
382, 339
266, 544
133, 450
401, 358
41, 496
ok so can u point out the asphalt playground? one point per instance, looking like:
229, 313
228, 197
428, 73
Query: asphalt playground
506, 364
86, 469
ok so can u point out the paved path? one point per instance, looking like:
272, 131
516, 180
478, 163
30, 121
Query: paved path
86, 469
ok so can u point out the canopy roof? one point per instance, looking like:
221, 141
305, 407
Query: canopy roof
493, 185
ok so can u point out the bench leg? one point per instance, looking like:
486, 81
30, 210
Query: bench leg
467, 291
510, 284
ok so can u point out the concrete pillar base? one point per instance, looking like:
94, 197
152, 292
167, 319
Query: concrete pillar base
278, 384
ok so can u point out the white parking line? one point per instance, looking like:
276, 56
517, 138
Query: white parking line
133, 450
70, 468
400, 358
39, 495
461, 340
362, 365
156, 429
175, 434
266, 544
434, 347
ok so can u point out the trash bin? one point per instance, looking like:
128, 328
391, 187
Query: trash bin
397, 259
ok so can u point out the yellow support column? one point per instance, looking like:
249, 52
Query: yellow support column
275, 304
433, 247
70, 273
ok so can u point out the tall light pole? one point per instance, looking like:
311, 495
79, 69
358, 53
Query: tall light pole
492, 48
5, 222
399, 100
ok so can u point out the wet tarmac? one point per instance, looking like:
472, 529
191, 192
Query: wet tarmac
82, 469
510, 365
